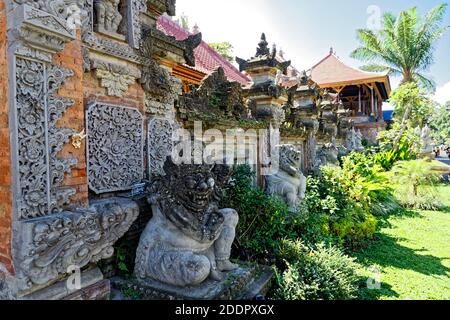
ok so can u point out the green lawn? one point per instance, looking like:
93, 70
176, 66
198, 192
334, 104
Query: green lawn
412, 252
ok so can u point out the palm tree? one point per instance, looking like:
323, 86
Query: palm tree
404, 46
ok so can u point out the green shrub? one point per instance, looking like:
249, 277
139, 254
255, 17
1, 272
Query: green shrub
263, 219
324, 273
416, 184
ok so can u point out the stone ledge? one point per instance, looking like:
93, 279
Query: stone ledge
245, 283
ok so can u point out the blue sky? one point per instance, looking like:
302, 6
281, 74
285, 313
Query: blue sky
305, 29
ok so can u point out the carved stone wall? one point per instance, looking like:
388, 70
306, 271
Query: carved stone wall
114, 147
74, 238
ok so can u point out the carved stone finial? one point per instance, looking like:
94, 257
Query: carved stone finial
263, 48
192, 42
171, 7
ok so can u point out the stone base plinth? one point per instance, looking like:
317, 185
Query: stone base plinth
93, 287
243, 283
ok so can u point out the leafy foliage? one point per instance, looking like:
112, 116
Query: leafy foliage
440, 124
225, 49
324, 273
410, 98
416, 184
263, 220
404, 45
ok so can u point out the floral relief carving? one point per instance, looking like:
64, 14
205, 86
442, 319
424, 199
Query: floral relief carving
160, 144
41, 172
115, 78
115, 147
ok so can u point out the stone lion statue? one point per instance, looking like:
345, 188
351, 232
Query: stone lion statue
189, 238
327, 154
289, 182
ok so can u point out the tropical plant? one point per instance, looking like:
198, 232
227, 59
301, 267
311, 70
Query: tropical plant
263, 219
440, 123
404, 45
323, 273
413, 104
416, 184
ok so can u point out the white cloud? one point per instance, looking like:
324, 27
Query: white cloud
442, 94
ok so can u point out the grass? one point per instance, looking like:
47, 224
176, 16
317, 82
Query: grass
412, 255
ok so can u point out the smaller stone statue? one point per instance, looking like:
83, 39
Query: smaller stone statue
289, 182
327, 155
108, 17
425, 140
353, 141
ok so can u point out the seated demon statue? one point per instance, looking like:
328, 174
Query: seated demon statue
189, 238
289, 182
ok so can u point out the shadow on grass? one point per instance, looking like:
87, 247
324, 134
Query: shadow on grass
364, 293
383, 221
386, 252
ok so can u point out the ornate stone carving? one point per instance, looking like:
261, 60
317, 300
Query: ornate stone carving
192, 42
108, 17
114, 147
116, 78
426, 141
327, 155
289, 182
188, 239
135, 7
76, 238
171, 7
113, 48
161, 90
160, 145
39, 139
353, 141
216, 99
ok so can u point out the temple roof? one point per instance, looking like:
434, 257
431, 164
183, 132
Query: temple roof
332, 72
207, 59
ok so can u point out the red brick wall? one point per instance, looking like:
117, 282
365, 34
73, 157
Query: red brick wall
71, 57
5, 159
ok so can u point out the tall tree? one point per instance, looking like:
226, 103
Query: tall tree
405, 44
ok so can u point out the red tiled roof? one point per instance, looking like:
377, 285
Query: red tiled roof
331, 70
206, 58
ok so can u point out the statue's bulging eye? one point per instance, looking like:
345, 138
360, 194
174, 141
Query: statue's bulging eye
190, 183
211, 182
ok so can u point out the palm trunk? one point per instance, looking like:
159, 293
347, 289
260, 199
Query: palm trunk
406, 78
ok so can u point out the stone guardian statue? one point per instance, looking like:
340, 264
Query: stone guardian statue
289, 182
189, 238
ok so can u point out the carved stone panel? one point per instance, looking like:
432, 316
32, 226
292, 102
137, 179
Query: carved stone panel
114, 147
40, 171
160, 144
51, 245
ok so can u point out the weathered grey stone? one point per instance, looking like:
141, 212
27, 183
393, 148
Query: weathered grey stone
289, 182
108, 18
245, 282
116, 78
114, 147
353, 141
188, 239
327, 155
50, 245
61, 291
